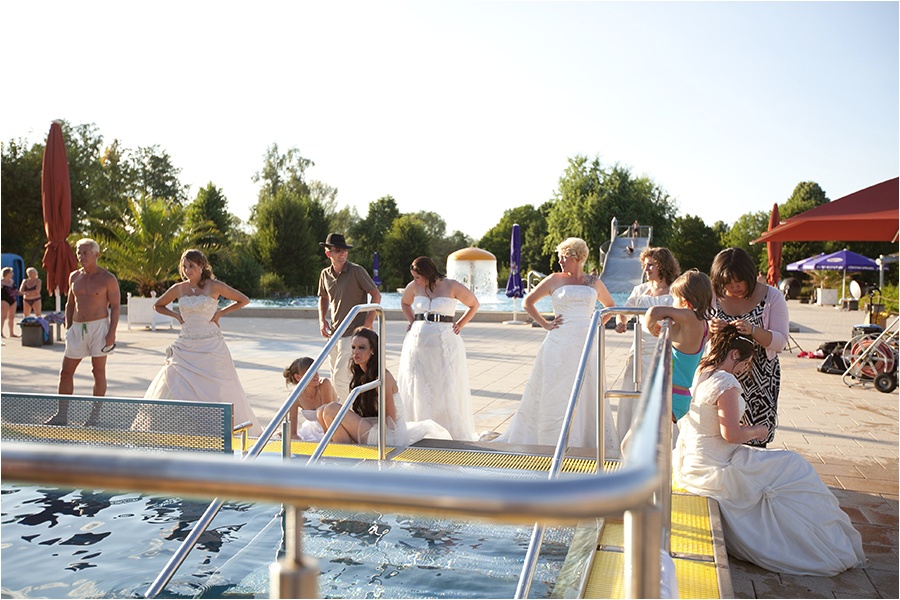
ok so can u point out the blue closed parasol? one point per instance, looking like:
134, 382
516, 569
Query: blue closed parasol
514, 283
375, 276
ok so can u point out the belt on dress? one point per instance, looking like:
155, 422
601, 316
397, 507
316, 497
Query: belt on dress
434, 318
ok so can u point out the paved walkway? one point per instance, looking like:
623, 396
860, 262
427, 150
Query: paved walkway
849, 434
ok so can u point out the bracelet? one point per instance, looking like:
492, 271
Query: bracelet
752, 330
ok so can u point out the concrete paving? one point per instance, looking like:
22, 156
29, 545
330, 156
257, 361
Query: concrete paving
850, 434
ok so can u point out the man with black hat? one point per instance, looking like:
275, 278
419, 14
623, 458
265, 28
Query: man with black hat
342, 286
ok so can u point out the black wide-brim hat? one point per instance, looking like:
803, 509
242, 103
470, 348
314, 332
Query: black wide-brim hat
335, 240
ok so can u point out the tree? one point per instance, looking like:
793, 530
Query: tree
20, 187
693, 243
284, 240
589, 196
368, 234
289, 222
533, 230
442, 245
406, 240
806, 195
146, 246
286, 170
748, 227
157, 176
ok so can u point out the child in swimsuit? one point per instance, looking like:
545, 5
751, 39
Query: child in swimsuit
692, 295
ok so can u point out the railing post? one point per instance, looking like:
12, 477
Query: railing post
601, 394
642, 546
294, 576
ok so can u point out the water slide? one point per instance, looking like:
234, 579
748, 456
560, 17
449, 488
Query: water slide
621, 266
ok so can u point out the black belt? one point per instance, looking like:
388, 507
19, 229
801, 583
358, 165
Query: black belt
434, 318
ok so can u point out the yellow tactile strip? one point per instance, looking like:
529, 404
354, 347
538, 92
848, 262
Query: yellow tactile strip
497, 460
696, 579
355, 451
690, 528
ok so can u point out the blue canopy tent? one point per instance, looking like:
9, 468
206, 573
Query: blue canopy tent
842, 260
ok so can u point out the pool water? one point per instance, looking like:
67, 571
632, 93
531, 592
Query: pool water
391, 301
94, 544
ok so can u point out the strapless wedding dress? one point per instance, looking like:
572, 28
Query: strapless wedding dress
433, 377
199, 366
539, 417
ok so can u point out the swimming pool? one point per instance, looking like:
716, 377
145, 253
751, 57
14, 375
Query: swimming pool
94, 544
391, 301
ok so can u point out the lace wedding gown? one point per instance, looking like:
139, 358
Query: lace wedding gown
540, 415
433, 375
199, 366
776, 511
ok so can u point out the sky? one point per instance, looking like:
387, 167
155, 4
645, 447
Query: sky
471, 108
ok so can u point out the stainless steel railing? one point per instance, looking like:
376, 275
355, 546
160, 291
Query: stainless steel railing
175, 562
635, 489
595, 329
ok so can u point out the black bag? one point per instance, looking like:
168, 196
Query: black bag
834, 364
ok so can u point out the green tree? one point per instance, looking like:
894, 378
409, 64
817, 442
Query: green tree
286, 170
289, 222
442, 245
748, 227
157, 176
22, 221
146, 246
406, 240
368, 234
284, 240
533, 230
694, 243
589, 196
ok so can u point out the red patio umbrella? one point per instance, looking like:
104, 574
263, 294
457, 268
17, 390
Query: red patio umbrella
56, 200
869, 215
773, 249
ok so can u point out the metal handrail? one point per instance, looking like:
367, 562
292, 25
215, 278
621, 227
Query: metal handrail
212, 510
595, 329
528, 277
639, 487
631, 489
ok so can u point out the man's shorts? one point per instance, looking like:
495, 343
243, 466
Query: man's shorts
87, 339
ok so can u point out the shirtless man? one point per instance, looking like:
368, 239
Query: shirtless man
92, 315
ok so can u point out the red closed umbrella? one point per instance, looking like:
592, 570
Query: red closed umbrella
773, 249
56, 199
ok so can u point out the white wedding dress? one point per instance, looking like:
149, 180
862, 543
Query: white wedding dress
433, 375
199, 366
776, 511
401, 432
540, 415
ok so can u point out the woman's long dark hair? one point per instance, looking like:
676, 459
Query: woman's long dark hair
366, 404
425, 267
723, 342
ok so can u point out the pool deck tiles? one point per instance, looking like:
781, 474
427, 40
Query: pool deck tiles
849, 434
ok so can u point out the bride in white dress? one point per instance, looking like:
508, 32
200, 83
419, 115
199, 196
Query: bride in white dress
574, 295
433, 378
198, 364
776, 511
